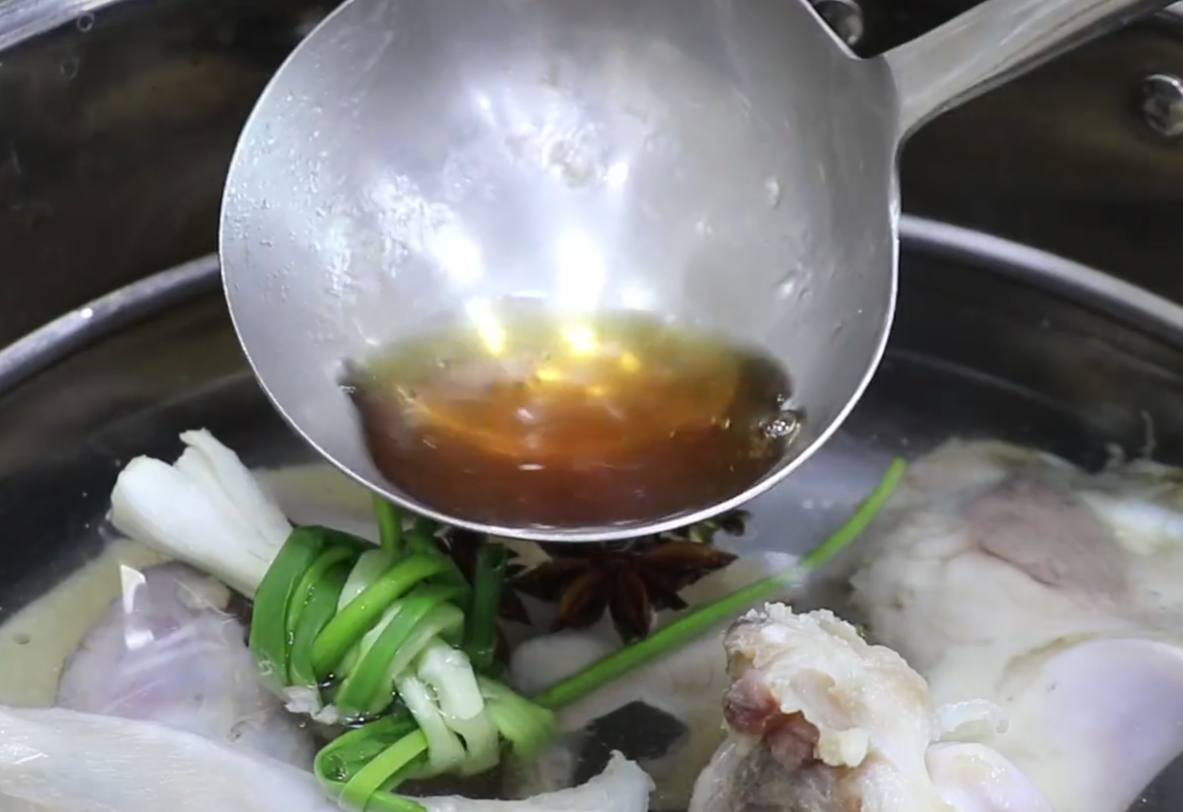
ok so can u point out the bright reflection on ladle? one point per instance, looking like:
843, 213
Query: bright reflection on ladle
617, 175
580, 339
457, 254
582, 272
492, 334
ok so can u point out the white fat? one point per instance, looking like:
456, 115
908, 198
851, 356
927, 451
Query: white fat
305, 701
970, 720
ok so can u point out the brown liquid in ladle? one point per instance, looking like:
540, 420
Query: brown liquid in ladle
516, 417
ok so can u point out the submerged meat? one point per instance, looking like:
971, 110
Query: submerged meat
57, 760
821, 720
1004, 574
167, 652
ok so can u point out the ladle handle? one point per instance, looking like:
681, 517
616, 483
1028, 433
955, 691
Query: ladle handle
994, 42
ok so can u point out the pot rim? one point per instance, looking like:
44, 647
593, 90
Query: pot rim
1078, 283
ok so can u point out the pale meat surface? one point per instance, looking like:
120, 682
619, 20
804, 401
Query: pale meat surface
1009, 575
822, 721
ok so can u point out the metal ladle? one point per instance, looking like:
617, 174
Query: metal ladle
725, 162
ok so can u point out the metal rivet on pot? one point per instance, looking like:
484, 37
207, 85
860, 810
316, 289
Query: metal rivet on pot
845, 17
1162, 104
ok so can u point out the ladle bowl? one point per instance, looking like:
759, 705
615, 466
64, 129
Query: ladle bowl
726, 163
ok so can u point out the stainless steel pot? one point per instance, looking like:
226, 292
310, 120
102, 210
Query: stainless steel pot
115, 132
994, 339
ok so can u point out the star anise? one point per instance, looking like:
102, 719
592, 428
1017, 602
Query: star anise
630, 580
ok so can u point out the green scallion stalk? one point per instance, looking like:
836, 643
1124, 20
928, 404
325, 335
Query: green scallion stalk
424, 526
367, 688
444, 621
352, 622
269, 621
445, 750
386, 801
319, 609
696, 623
340, 759
369, 788
329, 557
528, 727
390, 525
421, 543
480, 635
